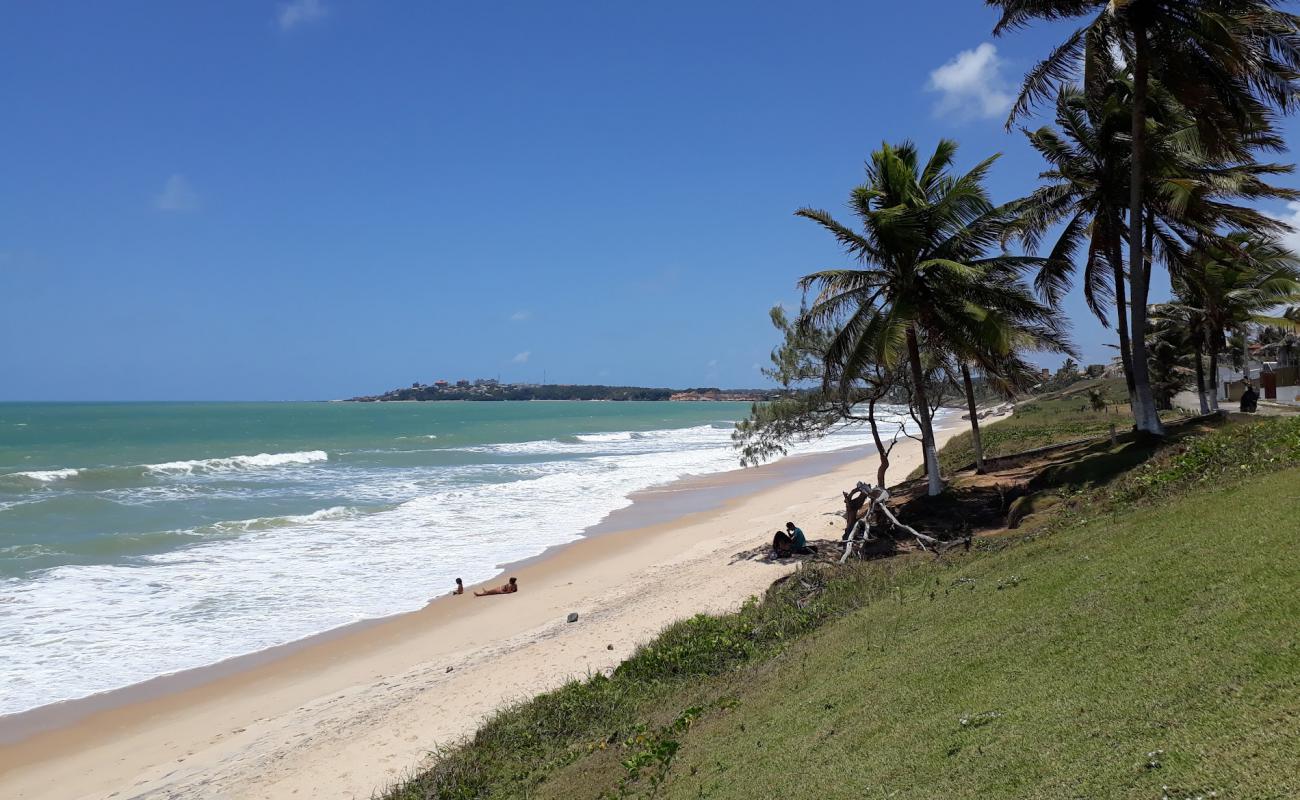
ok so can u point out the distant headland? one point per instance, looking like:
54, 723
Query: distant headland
490, 389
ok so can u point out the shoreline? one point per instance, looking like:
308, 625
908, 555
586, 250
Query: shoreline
266, 724
648, 507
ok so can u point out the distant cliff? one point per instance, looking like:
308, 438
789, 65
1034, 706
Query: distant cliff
491, 390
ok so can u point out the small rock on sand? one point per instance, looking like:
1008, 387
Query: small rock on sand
573, 616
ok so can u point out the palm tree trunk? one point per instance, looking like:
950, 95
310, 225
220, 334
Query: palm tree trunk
1121, 316
1144, 407
880, 445
1214, 376
1200, 379
976, 444
923, 413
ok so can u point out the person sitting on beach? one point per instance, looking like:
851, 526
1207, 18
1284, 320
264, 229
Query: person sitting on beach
1249, 400
460, 587
798, 542
509, 588
782, 546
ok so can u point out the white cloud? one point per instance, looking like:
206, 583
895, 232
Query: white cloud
521, 358
971, 84
521, 316
1291, 239
177, 195
301, 12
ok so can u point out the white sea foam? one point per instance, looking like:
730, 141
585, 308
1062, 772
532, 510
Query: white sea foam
234, 463
616, 436
45, 475
264, 523
79, 629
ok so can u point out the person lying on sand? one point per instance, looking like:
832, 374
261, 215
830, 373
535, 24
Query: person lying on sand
509, 588
460, 587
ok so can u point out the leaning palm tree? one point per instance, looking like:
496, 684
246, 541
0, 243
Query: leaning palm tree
926, 277
1230, 61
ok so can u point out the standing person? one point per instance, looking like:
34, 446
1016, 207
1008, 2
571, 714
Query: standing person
798, 542
460, 587
509, 588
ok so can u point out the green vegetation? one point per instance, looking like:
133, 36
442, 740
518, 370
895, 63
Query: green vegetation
1199, 80
1137, 641
931, 291
1049, 419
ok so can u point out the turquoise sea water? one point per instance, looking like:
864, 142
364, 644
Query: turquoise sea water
144, 538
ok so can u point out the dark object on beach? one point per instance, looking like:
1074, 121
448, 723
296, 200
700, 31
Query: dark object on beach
573, 616
449, 669
1249, 400
782, 545
609, 647
509, 588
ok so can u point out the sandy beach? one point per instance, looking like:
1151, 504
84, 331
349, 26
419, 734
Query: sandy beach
343, 714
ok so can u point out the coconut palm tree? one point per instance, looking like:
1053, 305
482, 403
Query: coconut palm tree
1236, 282
1184, 315
1085, 190
1170, 355
927, 276
1191, 193
1230, 61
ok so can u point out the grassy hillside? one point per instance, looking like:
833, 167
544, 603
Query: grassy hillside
1110, 661
1140, 641
1049, 419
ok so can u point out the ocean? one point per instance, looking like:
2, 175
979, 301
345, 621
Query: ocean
140, 539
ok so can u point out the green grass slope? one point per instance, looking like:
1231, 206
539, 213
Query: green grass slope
1059, 417
1109, 661
1141, 641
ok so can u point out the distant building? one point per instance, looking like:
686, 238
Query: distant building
440, 384
462, 384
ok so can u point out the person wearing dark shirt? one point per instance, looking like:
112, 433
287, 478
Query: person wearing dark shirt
798, 542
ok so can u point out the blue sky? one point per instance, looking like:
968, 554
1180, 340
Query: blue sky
321, 198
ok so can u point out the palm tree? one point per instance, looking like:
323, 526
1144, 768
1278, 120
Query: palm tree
1230, 61
1184, 316
925, 279
1170, 355
1236, 282
1190, 193
1084, 190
